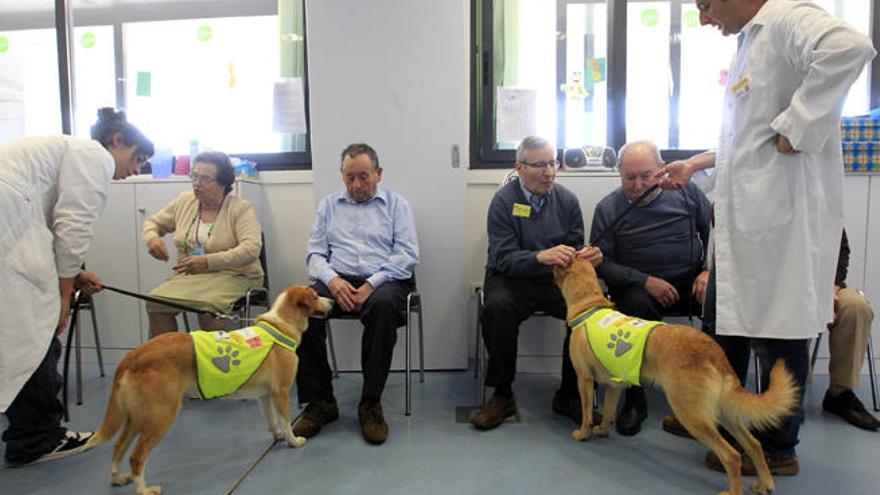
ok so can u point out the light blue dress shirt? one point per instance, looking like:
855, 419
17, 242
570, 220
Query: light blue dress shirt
376, 239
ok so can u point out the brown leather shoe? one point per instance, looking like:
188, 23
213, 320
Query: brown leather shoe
373, 425
778, 467
671, 424
317, 414
494, 412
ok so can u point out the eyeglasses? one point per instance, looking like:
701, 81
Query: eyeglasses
202, 178
541, 165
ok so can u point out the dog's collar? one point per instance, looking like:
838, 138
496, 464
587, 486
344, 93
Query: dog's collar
278, 336
577, 320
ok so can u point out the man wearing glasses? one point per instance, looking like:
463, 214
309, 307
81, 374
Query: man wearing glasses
533, 225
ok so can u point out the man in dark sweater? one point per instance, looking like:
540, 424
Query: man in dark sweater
654, 259
849, 333
533, 225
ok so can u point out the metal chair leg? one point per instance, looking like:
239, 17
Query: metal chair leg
408, 344
421, 344
758, 387
872, 374
478, 327
78, 355
185, 321
97, 338
332, 349
816, 342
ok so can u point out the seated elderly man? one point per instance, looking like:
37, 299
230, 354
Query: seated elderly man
362, 252
533, 225
847, 345
654, 262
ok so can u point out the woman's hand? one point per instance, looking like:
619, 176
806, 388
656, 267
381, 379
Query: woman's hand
89, 282
192, 265
156, 248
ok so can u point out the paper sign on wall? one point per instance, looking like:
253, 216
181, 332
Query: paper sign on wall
289, 108
515, 115
144, 79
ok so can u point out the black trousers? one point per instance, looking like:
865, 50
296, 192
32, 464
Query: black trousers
634, 300
35, 415
778, 443
507, 303
382, 314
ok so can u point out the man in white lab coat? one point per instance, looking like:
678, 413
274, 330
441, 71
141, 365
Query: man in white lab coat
52, 190
778, 192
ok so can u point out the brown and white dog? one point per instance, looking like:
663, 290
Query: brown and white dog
699, 383
150, 382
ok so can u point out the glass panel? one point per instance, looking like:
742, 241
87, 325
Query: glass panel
29, 96
206, 80
648, 76
585, 87
94, 74
705, 58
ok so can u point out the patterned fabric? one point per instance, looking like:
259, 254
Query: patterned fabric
618, 341
226, 360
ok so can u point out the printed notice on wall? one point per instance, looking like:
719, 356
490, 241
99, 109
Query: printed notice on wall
289, 107
515, 115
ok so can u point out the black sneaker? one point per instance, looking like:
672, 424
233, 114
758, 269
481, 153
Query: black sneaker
850, 408
72, 443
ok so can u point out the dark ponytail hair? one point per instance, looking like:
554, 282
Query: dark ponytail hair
110, 122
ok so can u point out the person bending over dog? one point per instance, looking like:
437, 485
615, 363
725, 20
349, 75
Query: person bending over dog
533, 226
362, 252
654, 263
52, 189
218, 246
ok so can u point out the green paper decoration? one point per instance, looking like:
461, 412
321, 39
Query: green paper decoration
650, 17
87, 40
4, 44
691, 19
204, 33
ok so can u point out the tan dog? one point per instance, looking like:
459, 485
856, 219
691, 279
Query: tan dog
699, 383
151, 380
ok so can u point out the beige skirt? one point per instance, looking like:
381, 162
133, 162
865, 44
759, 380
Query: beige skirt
215, 292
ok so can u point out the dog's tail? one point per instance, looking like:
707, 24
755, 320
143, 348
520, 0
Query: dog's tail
766, 410
113, 417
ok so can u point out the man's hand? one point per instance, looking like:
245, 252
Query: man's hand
343, 293
156, 248
700, 283
560, 255
192, 265
591, 254
88, 282
661, 290
361, 294
783, 145
678, 174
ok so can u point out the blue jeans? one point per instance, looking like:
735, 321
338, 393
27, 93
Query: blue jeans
778, 443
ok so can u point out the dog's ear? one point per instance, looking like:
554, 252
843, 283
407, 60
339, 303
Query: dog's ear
302, 296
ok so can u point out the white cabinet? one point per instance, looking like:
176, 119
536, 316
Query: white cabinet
119, 257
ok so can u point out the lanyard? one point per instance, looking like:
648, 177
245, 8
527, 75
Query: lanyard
197, 219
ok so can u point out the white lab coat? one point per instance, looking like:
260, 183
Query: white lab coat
52, 190
779, 217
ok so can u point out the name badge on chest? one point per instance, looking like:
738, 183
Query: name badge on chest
521, 210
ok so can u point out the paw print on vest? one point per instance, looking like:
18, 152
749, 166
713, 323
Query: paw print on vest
225, 359
619, 343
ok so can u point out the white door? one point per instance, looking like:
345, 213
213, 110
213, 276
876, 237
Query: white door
394, 74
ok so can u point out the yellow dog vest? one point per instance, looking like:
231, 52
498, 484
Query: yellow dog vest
226, 360
618, 341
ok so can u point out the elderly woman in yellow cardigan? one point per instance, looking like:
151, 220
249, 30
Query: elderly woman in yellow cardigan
218, 246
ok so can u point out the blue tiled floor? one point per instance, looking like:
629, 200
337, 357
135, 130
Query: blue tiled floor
218, 447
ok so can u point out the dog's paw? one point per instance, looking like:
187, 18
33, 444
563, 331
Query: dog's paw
725, 492
581, 434
601, 431
278, 434
121, 479
761, 489
151, 490
297, 442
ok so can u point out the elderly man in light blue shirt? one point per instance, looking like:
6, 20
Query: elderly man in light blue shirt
362, 251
